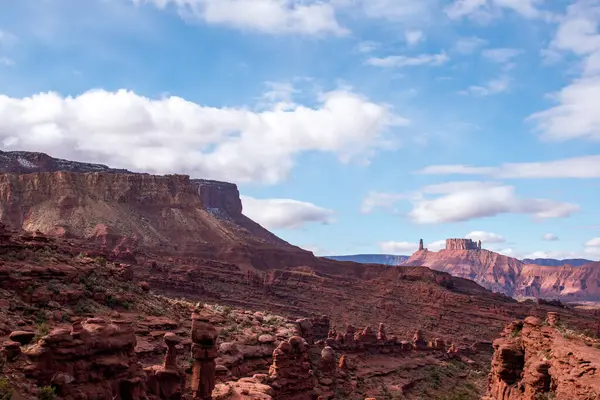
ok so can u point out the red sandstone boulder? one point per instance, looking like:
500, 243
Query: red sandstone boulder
23, 337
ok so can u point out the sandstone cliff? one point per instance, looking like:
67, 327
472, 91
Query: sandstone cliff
491, 270
544, 360
512, 277
127, 213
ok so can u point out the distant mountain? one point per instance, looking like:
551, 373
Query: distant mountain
385, 259
551, 262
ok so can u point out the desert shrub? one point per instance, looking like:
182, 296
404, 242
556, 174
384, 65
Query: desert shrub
111, 301
100, 261
5, 389
46, 393
40, 316
42, 330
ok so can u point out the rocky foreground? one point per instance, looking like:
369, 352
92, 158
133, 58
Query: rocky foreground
544, 359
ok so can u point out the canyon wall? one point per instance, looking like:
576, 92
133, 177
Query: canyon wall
537, 359
133, 214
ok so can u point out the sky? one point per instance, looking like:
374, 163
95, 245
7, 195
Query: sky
350, 126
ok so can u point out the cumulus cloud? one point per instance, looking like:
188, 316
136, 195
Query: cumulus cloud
592, 248
574, 167
173, 135
463, 201
491, 87
485, 237
550, 237
284, 213
575, 114
267, 16
407, 61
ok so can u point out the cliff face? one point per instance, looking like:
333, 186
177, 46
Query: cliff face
512, 277
492, 270
536, 360
125, 212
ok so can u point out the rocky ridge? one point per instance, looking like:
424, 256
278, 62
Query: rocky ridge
510, 276
536, 359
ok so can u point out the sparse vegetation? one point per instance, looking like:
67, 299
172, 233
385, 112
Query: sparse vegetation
46, 393
42, 330
6, 391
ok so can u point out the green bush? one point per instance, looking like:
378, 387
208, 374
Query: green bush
5, 389
46, 393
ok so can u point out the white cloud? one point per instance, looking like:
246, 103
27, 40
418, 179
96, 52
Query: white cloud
595, 242
284, 213
367, 46
437, 245
485, 10
406, 61
501, 55
469, 45
414, 37
403, 248
8, 62
407, 248
575, 167
173, 135
463, 201
550, 237
267, 16
375, 200
576, 116
397, 10
558, 255
485, 237
456, 169
492, 87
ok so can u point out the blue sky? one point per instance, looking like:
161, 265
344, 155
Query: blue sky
351, 126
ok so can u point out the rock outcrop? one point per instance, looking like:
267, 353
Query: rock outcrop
464, 258
204, 352
536, 360
462, 244
291, 375
94, 359
132, 214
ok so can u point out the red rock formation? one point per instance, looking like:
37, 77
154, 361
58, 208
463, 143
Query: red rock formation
291, 374
167, 381
510, 276
461, 244
328, 359
418, 342
124, 214
381, 336
534, 361
204, 352
94, 359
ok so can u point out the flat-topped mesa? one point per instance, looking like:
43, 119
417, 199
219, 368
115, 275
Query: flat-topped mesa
219, 196
462, 244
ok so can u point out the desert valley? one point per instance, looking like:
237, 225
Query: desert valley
125, 285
